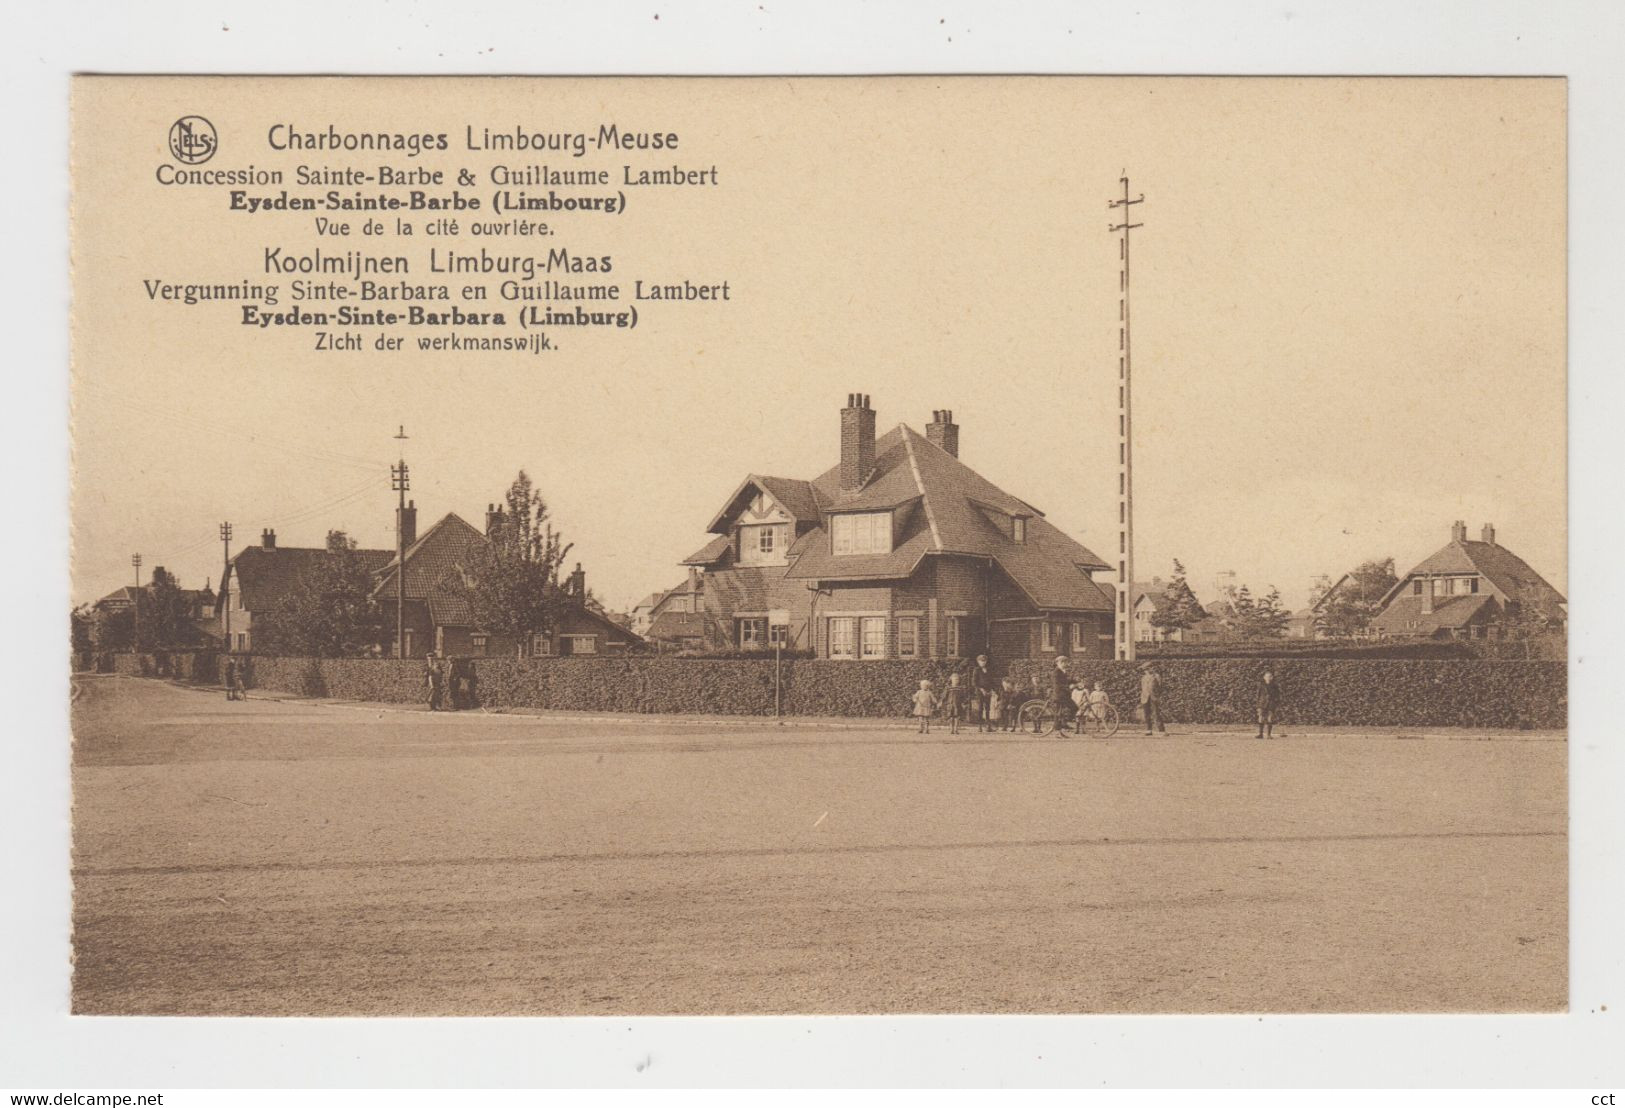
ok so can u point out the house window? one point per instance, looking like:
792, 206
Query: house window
763, 544
1047, 631
479, 644
908, 637
1019, 531
539, 645
842, 638
778, 635
242, 641
954, 638
874, 638
861, 533
408, 650
752, 634
1416, 587
1078, 636
579, 644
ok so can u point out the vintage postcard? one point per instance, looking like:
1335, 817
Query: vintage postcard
818, 545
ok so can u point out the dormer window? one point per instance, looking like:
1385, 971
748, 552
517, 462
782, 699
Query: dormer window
861, 533
1019, 529
764, 544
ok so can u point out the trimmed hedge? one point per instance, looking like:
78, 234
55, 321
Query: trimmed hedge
1381, 693
196, 666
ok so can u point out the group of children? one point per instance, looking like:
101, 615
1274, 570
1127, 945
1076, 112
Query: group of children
995, 710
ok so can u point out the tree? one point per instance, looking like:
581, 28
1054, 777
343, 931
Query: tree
330, 613
83, 627
1179, 608
513, 587
165, 622
1348, 608
1270, 617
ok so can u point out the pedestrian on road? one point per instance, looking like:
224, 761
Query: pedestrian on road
233, 689
925, 706
1269, 700
955, 700
1009, 703
436, 680
1060, 690
983, 682
1151, 698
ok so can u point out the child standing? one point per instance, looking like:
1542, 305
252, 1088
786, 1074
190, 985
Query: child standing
925, 706
955, 698
1010, 698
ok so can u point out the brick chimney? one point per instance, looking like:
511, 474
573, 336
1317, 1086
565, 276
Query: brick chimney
268, 539
1458, 531
943, 431
1487, 534
857, 442
578, 583
493, 518
406, 522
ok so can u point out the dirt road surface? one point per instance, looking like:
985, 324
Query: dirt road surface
301, 859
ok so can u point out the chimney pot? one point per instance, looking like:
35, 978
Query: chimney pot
268, 539
943, 431
1458, 531
857, 442
1488, 534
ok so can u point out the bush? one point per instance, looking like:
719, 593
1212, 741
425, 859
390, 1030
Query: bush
1319, 691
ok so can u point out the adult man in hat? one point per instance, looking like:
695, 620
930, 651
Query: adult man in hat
1151, 697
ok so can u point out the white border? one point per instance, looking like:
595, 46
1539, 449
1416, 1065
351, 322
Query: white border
41, 1047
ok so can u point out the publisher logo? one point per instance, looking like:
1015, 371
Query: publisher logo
192, 140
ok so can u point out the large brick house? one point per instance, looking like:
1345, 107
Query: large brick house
1466, 589
259, 578
900, 550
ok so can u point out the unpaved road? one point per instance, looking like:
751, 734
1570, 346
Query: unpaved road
294, 859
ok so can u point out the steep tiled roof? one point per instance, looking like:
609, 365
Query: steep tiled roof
1448, 612
707, 554
449, 545
266, 576
947, 508
1504, 569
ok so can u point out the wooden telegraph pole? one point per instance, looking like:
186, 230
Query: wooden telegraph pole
225, 581
1125, 434
400, 481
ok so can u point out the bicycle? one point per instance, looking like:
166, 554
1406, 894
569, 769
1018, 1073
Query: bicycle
1043, 717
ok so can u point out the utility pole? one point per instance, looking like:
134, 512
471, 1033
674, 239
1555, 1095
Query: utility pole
1125, 434
225, 581
135, 560
400, 481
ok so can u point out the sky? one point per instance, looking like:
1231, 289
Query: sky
1348, 313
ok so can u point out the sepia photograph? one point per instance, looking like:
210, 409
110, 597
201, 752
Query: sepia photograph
765, 546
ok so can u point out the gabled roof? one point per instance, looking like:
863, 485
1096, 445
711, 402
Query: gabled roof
449, 545
265, 577
651, 600
943, 507
1502, 568
795, 497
